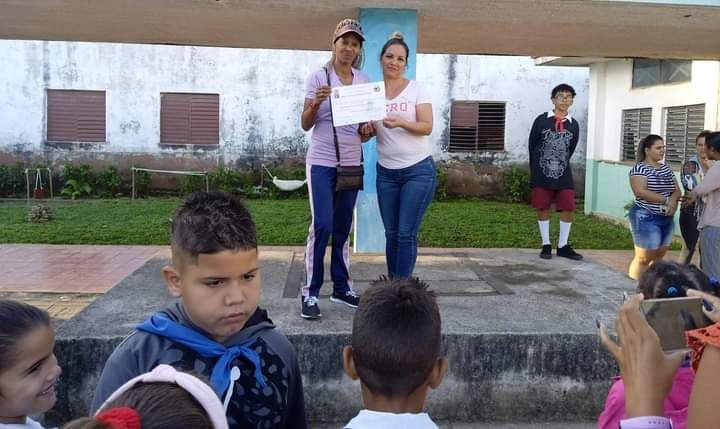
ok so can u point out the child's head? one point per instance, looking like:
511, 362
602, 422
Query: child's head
28, 368
667, 279
396, 342
562, 97
214, 263
162, 399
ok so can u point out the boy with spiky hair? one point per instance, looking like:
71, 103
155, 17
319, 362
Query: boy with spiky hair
395, 353
216, 328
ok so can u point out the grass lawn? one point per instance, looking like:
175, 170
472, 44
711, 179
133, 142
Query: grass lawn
458, 223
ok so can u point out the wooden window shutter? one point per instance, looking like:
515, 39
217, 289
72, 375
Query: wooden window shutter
635, 126
477, 126
75, 116
189, 119
682, 125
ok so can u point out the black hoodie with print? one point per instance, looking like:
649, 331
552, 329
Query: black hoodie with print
279, 405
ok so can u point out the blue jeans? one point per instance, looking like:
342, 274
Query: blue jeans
403, 196
332, 215
650, 230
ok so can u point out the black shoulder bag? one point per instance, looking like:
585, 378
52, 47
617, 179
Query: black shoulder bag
349, 177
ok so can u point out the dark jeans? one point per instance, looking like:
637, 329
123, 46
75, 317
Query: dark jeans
403, 196
332, 215
690, 233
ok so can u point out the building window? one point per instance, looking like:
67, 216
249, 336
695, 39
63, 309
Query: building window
189, 119
75, 116
477, 126
682, 125
659, 72
635, 126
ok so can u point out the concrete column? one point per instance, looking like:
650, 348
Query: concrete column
378, 25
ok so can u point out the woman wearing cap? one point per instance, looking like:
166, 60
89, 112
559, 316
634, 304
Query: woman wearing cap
331, 210
406, 177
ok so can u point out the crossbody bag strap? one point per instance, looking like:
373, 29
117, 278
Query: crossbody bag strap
335, 137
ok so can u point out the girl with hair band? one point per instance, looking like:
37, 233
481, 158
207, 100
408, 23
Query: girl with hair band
406, 176
656, 197
693, 171
161, 399
331, 210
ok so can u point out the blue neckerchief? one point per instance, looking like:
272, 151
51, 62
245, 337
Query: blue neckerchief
204, 346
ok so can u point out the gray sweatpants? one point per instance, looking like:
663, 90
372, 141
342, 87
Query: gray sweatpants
710, 245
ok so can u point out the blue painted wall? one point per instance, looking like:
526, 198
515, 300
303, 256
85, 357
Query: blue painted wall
378, 25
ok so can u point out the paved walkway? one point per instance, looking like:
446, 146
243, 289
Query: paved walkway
64, 279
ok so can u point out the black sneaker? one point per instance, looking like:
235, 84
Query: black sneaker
546, 252
310, 309
349, 298
567, 252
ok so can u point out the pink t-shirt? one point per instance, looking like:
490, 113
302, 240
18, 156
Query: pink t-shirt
322, 147
397, 148
675, 406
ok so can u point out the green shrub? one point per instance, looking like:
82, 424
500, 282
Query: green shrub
441, 191
190, 184
109, 183
229, 180
76, 181
12, 180
142, 184
516, 184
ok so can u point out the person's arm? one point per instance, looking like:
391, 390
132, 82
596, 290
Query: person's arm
710, 182
672, 202
533, 140
702, 411
421, 127
639, 188
575, 139
315, 93
646, 370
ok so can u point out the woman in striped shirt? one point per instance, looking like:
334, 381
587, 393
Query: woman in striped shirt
656, 197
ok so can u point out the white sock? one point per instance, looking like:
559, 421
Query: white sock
564, 233
544, 231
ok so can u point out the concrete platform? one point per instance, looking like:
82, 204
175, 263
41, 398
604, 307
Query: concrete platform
519, 333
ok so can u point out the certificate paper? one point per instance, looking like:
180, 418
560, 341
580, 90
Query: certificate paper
353, 104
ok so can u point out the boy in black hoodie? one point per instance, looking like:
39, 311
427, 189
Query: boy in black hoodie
553, 138
216, 327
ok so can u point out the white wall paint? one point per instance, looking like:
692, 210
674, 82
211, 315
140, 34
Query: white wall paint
261, 93
611, 92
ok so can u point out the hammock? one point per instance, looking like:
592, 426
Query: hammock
285, 185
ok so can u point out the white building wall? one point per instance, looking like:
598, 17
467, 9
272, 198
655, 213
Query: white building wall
261, 93
611, 92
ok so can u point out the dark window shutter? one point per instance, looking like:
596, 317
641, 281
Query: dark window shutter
477, 126
189, 119
75, 116
635, 126
682, 125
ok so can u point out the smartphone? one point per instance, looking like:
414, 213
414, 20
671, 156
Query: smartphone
671, 317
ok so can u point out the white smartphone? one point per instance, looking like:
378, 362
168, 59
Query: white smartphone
671, 317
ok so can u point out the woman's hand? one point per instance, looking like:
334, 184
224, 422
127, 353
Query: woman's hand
690, 198
321, 94
646, 370
394, 122
367, 130
711, 304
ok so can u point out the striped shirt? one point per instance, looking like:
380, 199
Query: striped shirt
659, 180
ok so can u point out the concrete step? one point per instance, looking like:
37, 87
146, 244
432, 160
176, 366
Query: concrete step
521, 340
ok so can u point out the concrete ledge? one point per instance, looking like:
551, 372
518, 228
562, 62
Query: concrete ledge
532, 356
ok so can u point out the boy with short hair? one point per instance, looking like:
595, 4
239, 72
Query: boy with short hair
553, 138
216, 328
395, 353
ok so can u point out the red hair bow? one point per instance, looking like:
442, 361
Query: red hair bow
120, 418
